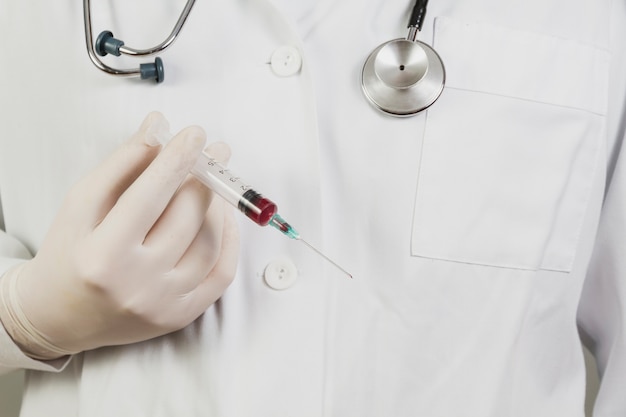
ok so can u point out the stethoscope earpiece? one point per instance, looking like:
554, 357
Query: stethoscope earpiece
402, 77
152, 70
106, 44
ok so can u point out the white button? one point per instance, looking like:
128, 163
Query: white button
286, 61
280, 274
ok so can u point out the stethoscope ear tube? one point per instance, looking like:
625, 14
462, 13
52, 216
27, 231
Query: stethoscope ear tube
106, 44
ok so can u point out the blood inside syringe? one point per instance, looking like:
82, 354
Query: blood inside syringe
259, 209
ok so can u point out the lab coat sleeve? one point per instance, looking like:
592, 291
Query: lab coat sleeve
602, 311
11, 357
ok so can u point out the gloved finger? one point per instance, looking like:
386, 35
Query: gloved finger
211, 288
180, 222
103, 186
141, 205
203, 253
220, 151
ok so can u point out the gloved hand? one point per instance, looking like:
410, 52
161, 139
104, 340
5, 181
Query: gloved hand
139, 249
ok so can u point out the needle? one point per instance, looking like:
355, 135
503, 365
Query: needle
324, 256
286, 229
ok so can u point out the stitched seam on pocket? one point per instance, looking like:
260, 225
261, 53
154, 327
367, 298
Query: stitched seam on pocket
526, 99
522, 54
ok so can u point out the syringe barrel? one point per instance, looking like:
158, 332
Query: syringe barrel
232, 189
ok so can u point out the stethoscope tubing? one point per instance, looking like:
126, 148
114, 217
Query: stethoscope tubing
168, 41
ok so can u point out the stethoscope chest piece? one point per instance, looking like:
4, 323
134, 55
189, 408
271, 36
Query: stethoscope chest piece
403, 77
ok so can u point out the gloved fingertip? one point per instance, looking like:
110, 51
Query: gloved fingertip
155, 129
219, 150
194, 136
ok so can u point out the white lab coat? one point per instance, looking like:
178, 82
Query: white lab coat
469, 229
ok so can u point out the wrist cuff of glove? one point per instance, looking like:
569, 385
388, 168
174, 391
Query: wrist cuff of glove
24, 334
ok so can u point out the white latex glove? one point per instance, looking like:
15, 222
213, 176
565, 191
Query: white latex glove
139, 249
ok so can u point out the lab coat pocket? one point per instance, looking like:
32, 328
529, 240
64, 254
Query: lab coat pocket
510, 148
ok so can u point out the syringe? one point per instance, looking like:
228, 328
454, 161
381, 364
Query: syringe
255, 206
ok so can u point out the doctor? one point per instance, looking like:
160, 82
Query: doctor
479, 232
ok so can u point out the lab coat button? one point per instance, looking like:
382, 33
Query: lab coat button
286, 61
280, 274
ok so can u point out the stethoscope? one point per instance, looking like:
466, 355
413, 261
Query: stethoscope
401, 77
